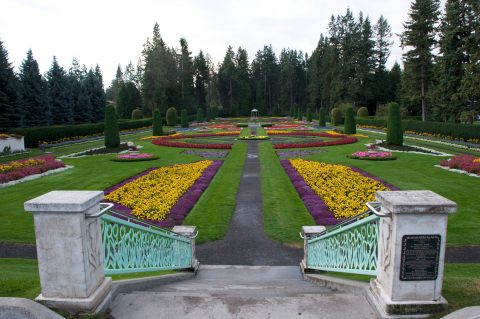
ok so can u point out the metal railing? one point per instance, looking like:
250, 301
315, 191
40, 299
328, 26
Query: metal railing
132, 245
349, 247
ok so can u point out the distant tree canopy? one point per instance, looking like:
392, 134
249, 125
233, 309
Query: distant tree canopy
439, 78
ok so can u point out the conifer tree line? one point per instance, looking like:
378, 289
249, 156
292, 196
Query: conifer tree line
29, 99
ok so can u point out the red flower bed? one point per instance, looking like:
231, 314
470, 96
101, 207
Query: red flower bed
181, 136
342, 141
468, 163
300, 133
49, 164
165, 142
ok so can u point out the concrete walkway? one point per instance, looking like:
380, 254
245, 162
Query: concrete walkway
241, 292
245, 242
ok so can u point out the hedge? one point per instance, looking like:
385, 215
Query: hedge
448, 130
35, 135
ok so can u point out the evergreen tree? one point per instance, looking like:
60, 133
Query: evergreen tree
383, 43
10, 107
208, 116
98, 98
226, 82
112, 135
59, 95
265, 72
184, 118
309, 115
83, 106
114, 89
185, 76
129, 98
201, 80
33, 93
243, 99
157, 124
394, 83
80, 97
419, 34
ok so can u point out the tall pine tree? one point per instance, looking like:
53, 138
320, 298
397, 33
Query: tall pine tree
59, 95
10, 106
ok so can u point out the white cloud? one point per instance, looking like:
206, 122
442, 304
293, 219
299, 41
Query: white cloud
112, 32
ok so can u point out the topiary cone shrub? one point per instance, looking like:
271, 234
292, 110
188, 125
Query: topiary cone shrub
184, 118
362, 112
309, 115
172, 116
350, 125
322, 121
157, 123
199, 115
336, 116
394, 125
137, 114
112, 135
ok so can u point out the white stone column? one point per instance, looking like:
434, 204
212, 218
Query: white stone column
411, 253
307, 233
69, 249
190, 232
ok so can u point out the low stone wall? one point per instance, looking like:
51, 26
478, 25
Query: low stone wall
16, 144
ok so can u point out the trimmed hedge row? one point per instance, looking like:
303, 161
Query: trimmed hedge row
449, 130
35, 135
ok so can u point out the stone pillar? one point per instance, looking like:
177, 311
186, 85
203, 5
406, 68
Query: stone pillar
307, 233
190, 232
411, 253
69, 248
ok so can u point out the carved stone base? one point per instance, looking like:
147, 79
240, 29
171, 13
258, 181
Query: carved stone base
387, 308
75, 305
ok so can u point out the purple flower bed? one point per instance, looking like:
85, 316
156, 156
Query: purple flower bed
181, 209
205, 154
314, 203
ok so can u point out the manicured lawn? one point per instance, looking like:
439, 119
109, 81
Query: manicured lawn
214, 210
19, 278
283, 211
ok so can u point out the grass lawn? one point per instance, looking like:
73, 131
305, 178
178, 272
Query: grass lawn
283, 211
213, 211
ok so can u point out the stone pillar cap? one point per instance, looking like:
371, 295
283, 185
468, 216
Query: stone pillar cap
312, 230
64, 201
187, 231
415, 202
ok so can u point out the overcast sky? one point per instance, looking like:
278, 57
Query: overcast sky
108, 32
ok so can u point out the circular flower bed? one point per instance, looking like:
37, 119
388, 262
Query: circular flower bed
373, 156
134, 157
254, 137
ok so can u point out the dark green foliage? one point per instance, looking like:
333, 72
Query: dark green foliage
200, 115
10, 109
185, 77
336, 116
202, 78
112, 134
208, 116
299, 114
309, 115
128, 99
184, 118
322, 121
292, 112
114, 89
265, 73
33, 93
362, 112
350, 125
137, 114
157, 129
394, 125
172, 116
214, 112
59, 95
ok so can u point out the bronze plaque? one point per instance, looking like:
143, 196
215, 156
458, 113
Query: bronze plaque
420, 257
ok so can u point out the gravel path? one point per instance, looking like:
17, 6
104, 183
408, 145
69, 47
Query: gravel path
245, 242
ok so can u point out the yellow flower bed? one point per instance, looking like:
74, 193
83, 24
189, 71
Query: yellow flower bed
8, 167
153, 195
344, 191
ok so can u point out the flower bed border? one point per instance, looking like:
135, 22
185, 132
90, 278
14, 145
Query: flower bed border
37, 170
151, 158
312, 201
164, 141
181, 209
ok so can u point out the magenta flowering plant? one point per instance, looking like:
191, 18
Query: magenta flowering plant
134, 157
373, 155
463, 162
44, 163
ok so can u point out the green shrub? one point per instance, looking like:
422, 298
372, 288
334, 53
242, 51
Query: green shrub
350, 125
309, 115
157, 129
137, 114
199, 115
336, 116
299, 114
362, 112
321, 117
184, 118
112, 134
172, 116
394, 125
